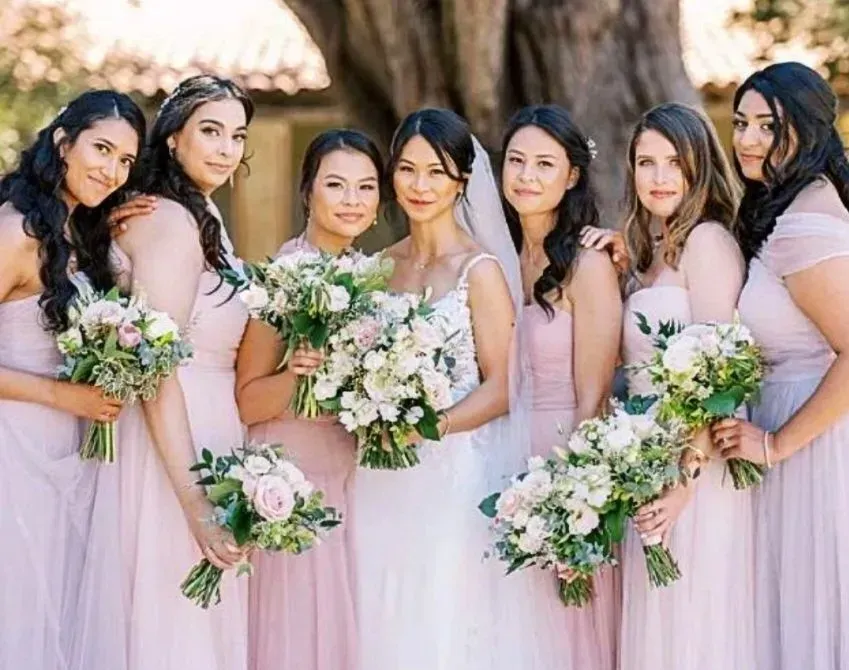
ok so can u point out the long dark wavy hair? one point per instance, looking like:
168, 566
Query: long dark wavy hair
162, 173
34, 188
802, 104
326, 143
576, 209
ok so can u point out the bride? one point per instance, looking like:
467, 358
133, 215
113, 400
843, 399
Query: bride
427, 598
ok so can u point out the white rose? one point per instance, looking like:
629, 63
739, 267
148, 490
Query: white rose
257, 465
296, 478
160, 325
425, 335
274, 498
408, 363
682, 355
521, 518
582, 518
578, 444
102, 313
254, 298
374, 360
325, 388
536, 463
535, 533
339, 298
618, 439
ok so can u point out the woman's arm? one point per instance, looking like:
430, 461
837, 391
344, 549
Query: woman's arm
493, 323
18, 252
261, 392
167, 265
822, 293
713, 266
597, 330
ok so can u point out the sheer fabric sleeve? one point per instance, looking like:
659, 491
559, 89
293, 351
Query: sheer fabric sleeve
803, 240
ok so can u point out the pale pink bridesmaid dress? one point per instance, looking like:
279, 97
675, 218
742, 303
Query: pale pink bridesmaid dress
704, 621
585, 638
134, 616
45, 497
802, 509
302, 607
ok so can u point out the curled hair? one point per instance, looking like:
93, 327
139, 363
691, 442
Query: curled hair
162, 173
446, 132
337, 139
805, 147
711, 191
577, 207
34, 188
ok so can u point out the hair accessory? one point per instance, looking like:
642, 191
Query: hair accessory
591, 147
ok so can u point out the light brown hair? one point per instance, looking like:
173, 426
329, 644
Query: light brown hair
712, 191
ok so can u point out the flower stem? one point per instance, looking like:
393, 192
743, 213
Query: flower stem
745, 474
203, 584
576, 592
662, 568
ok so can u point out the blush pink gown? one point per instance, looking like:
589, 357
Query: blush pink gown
45, 498
586, 637
705, 620
133, 615
802, 509
302, 607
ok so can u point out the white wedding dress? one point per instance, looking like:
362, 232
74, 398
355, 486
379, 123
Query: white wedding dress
427, 599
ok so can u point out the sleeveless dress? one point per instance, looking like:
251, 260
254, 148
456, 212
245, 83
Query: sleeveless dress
588, 636
801, 510
427, 599
302, 607
134, 616
704, 621
45, 498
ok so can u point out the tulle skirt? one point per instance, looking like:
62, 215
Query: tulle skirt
45, 498
302, 607
584, 638
705, 620
133, 615
802, 544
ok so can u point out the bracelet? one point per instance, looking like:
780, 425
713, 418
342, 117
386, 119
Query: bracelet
447, 428
767, 459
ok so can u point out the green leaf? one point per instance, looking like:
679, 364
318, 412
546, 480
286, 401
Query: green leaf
209, 480
318, 335
219, 492
206, 455
197, 467
302, 324
614, 524
639, 404
642, 323
114, 294
240, 523
487, 506
724, 403
428, 425
83, 369
111, 346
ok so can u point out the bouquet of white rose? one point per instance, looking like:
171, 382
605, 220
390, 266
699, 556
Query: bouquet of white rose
568, 513
388, 375
266, 502
705, 372
120, 345
307, 296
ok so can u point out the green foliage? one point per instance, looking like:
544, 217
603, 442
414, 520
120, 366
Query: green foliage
40, 70
821, 24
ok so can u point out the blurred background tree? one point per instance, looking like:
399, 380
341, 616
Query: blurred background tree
607, 61
39, 70
820, 25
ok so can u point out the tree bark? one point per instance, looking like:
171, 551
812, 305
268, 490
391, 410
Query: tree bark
606, 61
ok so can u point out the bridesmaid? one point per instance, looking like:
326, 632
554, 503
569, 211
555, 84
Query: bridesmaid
682, 200
151, 522
302, 607
794, 230
572, 325
79, 160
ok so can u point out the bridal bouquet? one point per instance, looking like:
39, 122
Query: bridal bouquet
120, 345
307, 296
387, 376
266, 502
705, 372
568, 513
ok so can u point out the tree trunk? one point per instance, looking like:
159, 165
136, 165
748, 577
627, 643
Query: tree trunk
606, 61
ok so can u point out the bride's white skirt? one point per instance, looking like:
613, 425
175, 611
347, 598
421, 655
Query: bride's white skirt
427, 597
